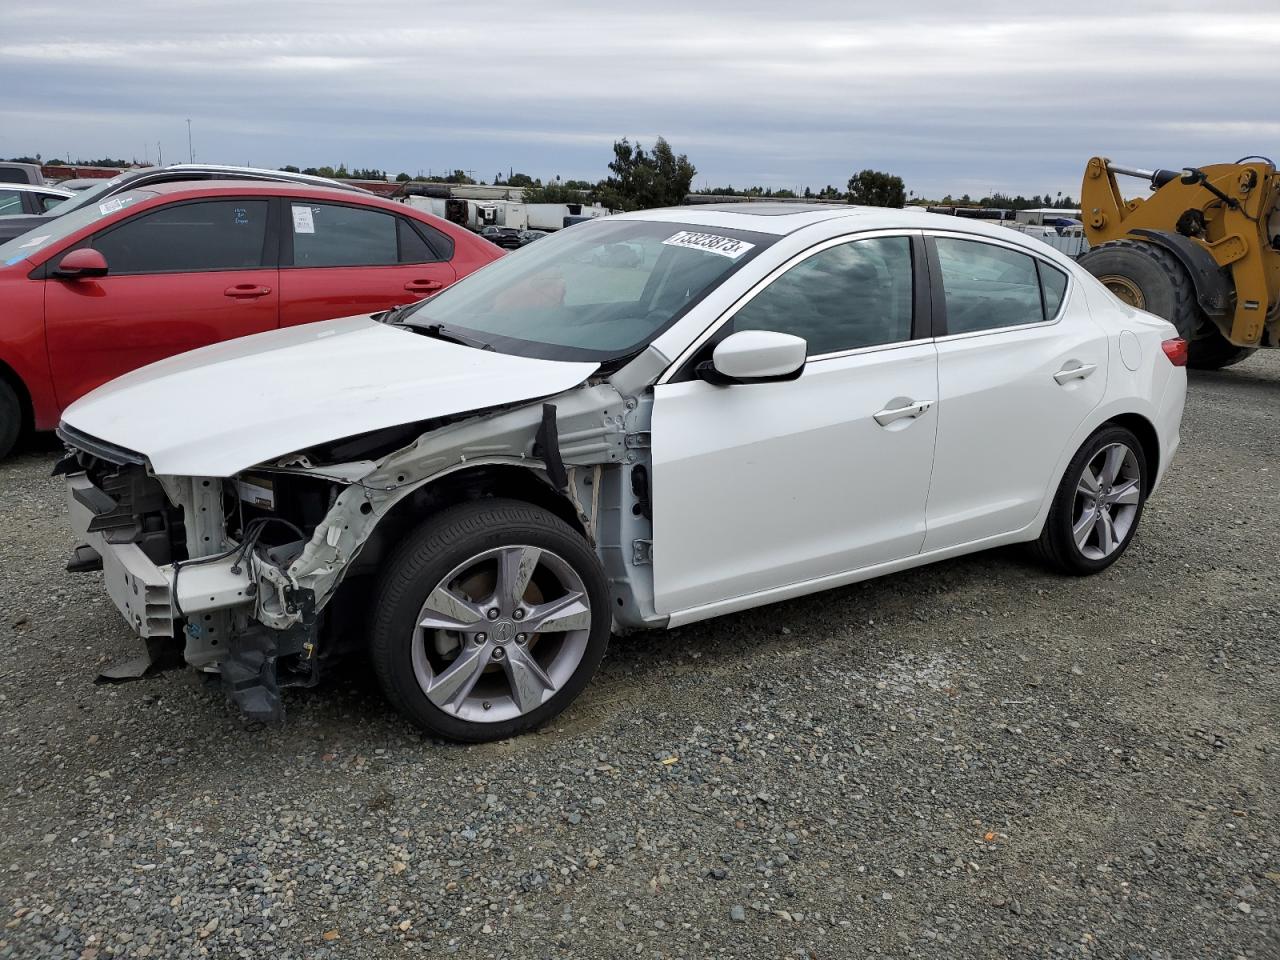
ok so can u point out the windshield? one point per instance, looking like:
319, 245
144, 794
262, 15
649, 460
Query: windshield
61, 227
595, 291
91, 195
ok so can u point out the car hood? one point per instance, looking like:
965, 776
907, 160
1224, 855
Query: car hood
220, 409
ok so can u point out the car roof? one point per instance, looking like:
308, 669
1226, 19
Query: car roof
271, 188
282, 188
37, 188
783, 218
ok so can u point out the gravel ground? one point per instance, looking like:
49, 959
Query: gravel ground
975, 759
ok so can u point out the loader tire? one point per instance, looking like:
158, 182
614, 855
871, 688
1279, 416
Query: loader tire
1149, 278
1212, 351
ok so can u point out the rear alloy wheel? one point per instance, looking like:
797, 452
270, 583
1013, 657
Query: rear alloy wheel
1096, 510
490, 620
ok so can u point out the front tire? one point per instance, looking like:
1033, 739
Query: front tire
489, 620
1099, 502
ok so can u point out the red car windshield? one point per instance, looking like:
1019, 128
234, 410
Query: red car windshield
59, 228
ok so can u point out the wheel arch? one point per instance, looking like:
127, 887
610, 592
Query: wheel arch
1145, 431
525, 483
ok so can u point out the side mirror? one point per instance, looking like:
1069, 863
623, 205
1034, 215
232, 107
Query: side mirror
81, 265
755, 356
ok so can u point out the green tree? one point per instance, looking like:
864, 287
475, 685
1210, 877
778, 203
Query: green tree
641, 180
873, 188
403, 178
520, 180
553, 193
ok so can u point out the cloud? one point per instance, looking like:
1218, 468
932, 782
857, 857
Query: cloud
1011, 96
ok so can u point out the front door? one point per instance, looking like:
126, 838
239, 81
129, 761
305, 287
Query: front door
759, 486
179, 277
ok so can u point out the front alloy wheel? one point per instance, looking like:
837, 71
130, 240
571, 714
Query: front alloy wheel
501, 633
489, 620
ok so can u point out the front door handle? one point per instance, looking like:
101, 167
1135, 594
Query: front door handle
1078, 372
424, 286
246, 291
912, 408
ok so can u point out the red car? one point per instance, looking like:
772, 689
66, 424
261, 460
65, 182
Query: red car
171, 267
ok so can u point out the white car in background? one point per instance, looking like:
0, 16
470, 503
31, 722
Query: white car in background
18, 199
638, 423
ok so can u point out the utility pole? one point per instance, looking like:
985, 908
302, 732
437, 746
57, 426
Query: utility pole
191, 156
160, 154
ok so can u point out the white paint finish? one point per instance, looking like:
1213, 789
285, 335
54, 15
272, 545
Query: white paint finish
1003, 418
759, 353
761, 485
220, 409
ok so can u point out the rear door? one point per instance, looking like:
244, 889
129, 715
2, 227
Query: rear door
180, 277
340, 259
1021, 364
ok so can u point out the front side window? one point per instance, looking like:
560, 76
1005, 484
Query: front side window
49, 201
987, 287
332, 235
188, 238
597, 291
856, 294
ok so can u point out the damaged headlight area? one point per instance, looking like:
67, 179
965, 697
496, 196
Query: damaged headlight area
200, 565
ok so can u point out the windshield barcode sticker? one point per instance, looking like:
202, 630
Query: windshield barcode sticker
114, 204
710, 242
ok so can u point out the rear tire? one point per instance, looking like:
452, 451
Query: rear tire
1149, 278
10, 418
489, 620
1099, 502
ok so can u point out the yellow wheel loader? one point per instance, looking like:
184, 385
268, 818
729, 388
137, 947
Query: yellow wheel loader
1202, 251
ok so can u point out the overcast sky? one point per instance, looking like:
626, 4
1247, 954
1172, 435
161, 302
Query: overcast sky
960, 98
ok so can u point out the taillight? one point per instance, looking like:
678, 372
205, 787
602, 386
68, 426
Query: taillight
1176, 351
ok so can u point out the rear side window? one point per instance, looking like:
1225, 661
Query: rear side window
987, 287
1054, 284
10, 202
857, 294
189, 238
413, 248
331, 235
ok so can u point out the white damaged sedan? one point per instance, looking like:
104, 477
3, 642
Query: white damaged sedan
635, 423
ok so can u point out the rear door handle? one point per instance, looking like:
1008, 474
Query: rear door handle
912, 408
246, 291
424, 286
1078, 372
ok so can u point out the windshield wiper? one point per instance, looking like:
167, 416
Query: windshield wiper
438, 331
